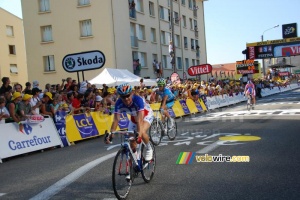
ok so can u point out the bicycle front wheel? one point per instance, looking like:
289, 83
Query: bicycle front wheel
122, 174
155, 132
172, 131
148, 166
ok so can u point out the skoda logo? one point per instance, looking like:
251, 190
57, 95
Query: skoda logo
70, 63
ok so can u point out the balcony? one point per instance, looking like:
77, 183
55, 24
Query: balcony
134, 41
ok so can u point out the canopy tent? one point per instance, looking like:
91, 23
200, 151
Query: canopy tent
114, 77
281, 65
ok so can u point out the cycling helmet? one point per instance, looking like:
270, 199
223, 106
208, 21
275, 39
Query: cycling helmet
124, 89
161, 82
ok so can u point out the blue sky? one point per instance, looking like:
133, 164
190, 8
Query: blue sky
230, 24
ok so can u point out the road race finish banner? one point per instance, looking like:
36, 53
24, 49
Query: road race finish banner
247, 67
60, 123
34, 137
273, 48
83, 61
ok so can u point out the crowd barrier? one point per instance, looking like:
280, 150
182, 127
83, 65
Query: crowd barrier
68, 129
35, 136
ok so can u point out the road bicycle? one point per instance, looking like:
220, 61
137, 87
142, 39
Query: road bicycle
160, 127
249, 102
129, 164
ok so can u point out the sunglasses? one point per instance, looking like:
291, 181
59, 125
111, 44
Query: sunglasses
160, 86
125, 96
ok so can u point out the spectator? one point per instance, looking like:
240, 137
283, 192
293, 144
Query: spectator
27, 89
68, 84
45, 100
13, 109
98, 106
18, 88
25, 107
76, 104
5, 86
4, 114
35, 101
35, 84
142, 84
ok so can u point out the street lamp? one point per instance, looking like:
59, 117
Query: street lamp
262, 39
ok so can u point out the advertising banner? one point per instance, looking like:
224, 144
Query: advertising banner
60, 123
85, 125
184, 107
34, 136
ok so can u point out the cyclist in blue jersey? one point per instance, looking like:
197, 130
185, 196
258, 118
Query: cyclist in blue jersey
167, 97
141, 116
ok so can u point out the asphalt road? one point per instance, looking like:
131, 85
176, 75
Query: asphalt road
83, 171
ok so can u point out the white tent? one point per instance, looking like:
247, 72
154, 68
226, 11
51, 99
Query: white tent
114, 77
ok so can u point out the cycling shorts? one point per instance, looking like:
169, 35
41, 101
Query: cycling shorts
170, 104
251, 91
148, 118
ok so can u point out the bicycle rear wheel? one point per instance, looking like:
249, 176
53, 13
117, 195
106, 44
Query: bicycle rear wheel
148, 166
172, 132
122, 167
155, 132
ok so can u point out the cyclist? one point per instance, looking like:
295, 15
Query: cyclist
167, 99
250, 89
141, 116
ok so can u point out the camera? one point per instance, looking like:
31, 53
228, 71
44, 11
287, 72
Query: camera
63, 80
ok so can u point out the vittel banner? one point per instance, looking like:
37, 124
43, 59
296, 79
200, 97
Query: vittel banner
83, 61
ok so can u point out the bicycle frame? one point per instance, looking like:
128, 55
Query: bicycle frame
125, 144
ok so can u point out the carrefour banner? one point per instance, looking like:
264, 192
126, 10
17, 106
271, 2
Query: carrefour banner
34, 136
171, 113
60, 123
198, 106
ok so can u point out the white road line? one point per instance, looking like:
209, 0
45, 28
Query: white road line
61, 184
2, 194
209, 148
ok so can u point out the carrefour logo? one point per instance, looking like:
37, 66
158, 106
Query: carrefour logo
83, 61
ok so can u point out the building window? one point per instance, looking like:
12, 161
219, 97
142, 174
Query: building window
184, 21
176, 18
86, 28
163, 37
44, 5
9, 30
190, 4
191, 24
164, 61
141, 32
179, 63
13, 69
177, 41
139, 6
151, 9
183, 2
12, 49
143, 59
83, 2
193, 62
49, 63
185, 40
164, 13
192, 44
187, 63
153, 35
46, 33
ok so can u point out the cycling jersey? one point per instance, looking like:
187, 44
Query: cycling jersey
166, 92
250, 89
138, 105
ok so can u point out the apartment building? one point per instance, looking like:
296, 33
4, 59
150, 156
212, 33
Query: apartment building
55, 28
12, 48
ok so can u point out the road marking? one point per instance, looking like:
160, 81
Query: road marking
2, 194
241, 138
61, 184
209, 148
